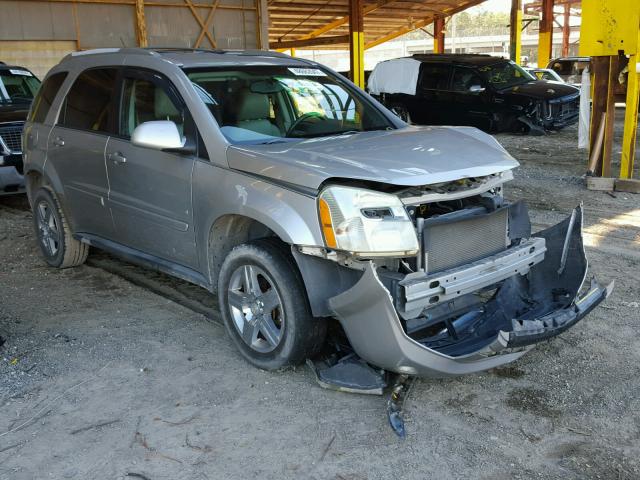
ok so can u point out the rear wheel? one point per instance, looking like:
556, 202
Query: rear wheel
55, 238
265, 308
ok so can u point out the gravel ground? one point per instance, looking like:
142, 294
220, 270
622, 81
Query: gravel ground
109, 371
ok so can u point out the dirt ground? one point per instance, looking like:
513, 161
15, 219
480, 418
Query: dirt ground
109, 371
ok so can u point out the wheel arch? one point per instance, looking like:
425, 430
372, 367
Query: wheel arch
229, 231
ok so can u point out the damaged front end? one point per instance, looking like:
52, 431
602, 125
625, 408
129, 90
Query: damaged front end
479, 294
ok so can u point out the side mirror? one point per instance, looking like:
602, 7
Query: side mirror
476, 88
159, 135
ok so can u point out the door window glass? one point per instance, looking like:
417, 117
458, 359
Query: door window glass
45, 96
464, 79
88, 105
434, 77
145, 101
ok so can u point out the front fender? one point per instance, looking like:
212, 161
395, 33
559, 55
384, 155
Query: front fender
217, 192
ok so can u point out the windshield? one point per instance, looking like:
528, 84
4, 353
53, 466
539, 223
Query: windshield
17, 86
505, 75
269, 104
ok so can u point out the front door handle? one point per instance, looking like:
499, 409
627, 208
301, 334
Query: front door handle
58, 142
117, 158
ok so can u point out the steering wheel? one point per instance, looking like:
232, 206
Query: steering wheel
303, 118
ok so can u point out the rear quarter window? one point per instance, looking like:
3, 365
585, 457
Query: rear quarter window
89, 103
45, 96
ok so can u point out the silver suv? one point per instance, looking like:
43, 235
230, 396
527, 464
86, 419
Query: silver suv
299, 199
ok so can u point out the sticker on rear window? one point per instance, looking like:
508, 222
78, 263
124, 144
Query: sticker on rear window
307, 72
21, 72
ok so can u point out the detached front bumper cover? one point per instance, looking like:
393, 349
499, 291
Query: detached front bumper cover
525, 310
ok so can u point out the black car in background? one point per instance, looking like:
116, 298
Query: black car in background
18, 86
491, 93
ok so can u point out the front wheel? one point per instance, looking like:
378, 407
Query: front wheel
265, 308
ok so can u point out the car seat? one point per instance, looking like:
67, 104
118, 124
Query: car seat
253, 114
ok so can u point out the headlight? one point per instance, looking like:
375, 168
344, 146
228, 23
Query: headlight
366, 223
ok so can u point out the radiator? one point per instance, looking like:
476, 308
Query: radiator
449, 244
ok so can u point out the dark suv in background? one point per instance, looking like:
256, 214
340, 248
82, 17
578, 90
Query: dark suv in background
18, 86
490, 93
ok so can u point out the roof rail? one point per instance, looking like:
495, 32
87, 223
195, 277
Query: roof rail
102, 51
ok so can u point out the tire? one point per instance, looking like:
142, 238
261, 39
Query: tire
55, 238
268, 318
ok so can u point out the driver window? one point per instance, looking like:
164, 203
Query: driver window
144, 101
464, 79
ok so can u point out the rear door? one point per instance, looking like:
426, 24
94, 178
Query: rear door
150, 195
37, 127
75, 149
433, 97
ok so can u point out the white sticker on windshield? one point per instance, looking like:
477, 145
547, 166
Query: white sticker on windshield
307, 72
21, 72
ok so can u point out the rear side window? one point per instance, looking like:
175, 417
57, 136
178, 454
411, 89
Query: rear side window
45, 96
89, 103
434, 77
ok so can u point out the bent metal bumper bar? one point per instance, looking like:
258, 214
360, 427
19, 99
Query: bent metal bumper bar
524, 310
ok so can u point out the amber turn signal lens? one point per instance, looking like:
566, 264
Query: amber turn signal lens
325, 222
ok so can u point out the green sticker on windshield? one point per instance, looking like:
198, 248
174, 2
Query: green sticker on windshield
307, 72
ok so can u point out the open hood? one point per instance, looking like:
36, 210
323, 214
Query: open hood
410, 156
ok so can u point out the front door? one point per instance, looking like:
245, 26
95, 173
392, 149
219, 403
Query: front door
471, 105
75, 150
150, 190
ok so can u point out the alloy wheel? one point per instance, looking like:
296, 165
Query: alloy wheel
256, 308
48, 228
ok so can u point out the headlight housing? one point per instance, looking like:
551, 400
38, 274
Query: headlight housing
366, 223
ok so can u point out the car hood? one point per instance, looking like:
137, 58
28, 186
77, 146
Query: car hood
542, 90
408, 156
13, 112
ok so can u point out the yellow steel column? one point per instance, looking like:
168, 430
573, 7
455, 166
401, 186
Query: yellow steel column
515, 27
630, 120
356, 44
545, 38
292, 52
438, 35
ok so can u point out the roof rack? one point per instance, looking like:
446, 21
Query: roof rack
103, 51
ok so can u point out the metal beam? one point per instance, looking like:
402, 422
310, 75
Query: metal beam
438, 35
515, 31
566, 29
545, 34
421, 23
310, 42
338, 22
356, 44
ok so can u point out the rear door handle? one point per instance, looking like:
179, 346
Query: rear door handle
58, 142
118, 158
